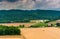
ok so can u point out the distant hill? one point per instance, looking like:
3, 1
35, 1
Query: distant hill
26, 15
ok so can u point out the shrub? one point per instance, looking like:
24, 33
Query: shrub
21, 26
5, 30
58, 24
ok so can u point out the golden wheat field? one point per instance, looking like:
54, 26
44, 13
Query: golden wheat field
36, 33
41, 33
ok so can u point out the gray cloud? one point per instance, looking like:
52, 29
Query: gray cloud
1, 0
29, 4
11, 0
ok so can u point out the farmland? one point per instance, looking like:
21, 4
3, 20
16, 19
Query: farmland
17, 24
10, 37
41, 33
19, 21
36, 33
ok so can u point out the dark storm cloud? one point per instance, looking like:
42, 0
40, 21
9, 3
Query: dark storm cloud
12, 0
34, 0
1, 0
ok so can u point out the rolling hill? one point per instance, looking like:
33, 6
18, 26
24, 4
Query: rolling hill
26, 15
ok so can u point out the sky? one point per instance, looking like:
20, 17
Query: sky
30, 4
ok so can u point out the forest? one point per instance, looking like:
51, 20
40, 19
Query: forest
8, 16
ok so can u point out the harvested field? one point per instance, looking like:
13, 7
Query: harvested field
41, 33
17, 24
36, 33
10, 37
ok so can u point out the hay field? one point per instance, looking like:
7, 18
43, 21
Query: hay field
36, 33
17, 24
41, 33
11, 37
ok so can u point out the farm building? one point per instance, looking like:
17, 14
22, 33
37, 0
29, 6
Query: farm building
37, 21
